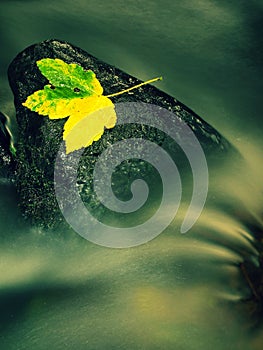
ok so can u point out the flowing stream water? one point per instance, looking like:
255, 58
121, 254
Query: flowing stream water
180, 292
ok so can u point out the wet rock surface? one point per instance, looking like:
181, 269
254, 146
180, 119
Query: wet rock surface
40, 138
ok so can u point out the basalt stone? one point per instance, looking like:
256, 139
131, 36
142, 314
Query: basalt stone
40, 138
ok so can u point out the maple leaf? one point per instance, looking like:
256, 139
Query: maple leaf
75, 93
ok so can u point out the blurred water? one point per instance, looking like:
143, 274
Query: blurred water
177, 292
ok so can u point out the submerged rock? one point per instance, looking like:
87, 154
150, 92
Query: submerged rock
40, 138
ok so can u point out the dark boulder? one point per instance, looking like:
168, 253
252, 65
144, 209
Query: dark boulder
40, 138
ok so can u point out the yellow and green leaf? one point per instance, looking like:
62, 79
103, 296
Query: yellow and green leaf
75, 93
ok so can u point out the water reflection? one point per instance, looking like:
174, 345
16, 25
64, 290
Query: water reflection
184, 291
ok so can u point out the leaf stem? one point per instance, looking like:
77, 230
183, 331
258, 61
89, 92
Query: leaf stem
134, 87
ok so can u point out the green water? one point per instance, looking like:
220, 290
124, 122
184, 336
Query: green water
59, 291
